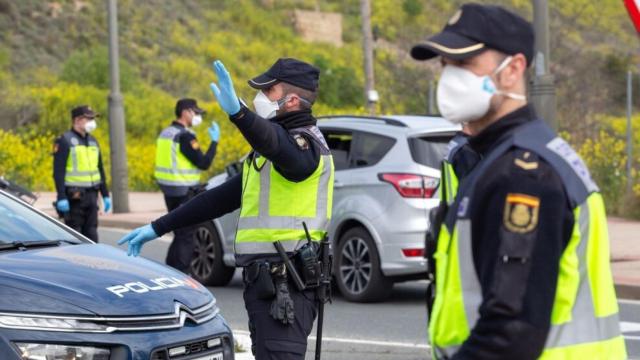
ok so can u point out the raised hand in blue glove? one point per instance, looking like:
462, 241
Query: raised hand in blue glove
107, 204
214, 132
224, 90
63, 205
137, 238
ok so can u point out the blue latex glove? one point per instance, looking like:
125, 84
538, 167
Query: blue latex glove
107, 204
224, 91
214, 132
137, 238
63, 205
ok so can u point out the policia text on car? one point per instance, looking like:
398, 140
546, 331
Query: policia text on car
179, 163
79, 175
286, 180
522, 255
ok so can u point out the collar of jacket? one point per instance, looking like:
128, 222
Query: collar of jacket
484, 142
295, 119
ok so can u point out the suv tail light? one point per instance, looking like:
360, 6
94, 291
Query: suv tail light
411, 185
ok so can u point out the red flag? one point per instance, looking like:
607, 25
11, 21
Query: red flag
633, 7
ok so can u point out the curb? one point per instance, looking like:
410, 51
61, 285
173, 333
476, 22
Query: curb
119, 223
629, 292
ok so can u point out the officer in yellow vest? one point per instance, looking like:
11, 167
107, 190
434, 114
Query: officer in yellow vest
522, 259
179, 163
79, 175
286, 180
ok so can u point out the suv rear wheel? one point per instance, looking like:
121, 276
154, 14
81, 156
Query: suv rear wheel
207, 266
358, 274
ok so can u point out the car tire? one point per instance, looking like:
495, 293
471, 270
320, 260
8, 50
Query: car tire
357, 269
207, 265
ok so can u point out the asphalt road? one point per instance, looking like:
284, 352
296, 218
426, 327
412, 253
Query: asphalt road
395, 329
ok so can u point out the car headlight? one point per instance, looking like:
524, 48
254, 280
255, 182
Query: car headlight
52, 324
61, 352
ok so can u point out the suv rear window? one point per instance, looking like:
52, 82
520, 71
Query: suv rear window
429, 150
370, 148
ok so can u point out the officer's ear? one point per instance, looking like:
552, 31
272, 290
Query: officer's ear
513, 75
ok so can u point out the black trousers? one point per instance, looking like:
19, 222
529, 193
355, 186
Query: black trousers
83, 213
181, 249
270, 339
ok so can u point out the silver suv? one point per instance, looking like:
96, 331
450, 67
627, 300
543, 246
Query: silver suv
387, 174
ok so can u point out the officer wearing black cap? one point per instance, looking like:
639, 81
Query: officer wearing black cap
286, 180
179, 163
520, 246
79, 175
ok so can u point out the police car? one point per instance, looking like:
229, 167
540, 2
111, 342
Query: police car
65, 297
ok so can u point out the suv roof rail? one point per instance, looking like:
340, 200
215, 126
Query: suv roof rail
388, 121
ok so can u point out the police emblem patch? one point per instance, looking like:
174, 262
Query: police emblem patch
56, 147
301, 142
521, 213
194, 144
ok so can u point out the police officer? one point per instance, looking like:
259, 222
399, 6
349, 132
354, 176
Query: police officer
522, 260
79, 175
179, 163
287, 179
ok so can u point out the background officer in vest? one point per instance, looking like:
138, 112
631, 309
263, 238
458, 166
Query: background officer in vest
179, 163
287, 179
79, 175
522, 257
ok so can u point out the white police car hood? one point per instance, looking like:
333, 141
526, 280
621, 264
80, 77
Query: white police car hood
93, 279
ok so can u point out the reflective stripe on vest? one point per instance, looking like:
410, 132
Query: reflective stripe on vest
448, 183
584, 321
82, 163
273, 208
172, 167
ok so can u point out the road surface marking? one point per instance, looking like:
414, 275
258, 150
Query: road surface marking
359, 341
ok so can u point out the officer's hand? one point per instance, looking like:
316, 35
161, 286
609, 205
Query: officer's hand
137, 238
224, 91
63, 205
214, 132
107, 204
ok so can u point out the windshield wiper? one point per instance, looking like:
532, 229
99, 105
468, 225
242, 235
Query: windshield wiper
39, 243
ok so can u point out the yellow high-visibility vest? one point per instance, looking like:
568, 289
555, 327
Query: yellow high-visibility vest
172, 167
82, 163
274, 208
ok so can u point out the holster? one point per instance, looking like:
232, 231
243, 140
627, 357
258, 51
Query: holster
75, 193
258, 274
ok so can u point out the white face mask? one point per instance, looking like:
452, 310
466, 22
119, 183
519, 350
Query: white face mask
464, 96
264, 107
196, 120
90, 126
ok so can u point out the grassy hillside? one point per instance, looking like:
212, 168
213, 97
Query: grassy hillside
53, 55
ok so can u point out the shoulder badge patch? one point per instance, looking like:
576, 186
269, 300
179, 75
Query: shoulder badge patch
521, 213
301, 142
194, 144
55, 147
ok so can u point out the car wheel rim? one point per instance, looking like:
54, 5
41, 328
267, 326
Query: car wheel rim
203, 254
355, 268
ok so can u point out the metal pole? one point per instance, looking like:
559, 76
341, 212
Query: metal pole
119, 176
629, 129
432, 98
367, 43
543, 90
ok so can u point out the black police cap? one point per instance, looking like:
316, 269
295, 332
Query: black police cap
83, 110
187, 104
475, 28
291, 71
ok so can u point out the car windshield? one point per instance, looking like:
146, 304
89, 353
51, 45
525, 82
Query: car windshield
429, 150
20, 223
